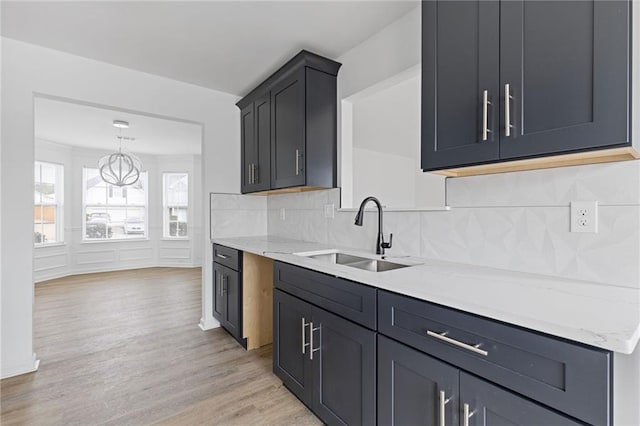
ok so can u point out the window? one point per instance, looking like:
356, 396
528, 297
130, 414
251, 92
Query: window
175, 204
47, 203
113, 212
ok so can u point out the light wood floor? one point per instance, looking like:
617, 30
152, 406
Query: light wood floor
124, 348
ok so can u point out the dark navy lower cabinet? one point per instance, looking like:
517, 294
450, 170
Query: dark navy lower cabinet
325, 359
415, 388
291, 360
227, 290
344, 368
485, 404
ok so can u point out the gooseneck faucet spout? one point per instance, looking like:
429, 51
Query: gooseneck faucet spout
380, 243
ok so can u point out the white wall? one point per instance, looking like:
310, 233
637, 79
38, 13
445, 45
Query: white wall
76, 256
379, 110
29, 70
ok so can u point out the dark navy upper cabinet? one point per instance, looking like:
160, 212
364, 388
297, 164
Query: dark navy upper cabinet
292, 119
255, 139
288, 131
460, 81
515, 79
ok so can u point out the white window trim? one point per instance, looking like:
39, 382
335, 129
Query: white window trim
165, 207
59, 224
143, 237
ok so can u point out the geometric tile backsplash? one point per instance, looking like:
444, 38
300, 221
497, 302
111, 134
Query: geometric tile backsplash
517, 221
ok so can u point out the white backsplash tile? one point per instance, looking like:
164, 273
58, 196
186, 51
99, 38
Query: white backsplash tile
238, 223
304, 200
609, 184
515, 221
237, 202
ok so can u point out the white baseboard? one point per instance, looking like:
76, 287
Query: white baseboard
96, 270
208, 324
27, 367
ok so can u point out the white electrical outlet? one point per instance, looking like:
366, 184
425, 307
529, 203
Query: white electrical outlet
329, 211
282, 213
584, 216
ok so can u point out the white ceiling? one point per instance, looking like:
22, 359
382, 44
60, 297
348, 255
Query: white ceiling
225, 45
91, 127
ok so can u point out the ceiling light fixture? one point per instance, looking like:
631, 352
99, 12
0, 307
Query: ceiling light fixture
120, 168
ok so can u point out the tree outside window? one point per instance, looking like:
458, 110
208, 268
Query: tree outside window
175, 204
113, 212
47, 203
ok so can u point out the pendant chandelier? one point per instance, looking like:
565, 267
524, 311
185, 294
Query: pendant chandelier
120, 168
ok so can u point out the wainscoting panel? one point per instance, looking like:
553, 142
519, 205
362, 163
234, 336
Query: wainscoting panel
89, 257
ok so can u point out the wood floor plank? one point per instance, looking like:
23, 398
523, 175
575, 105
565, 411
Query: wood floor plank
124, 348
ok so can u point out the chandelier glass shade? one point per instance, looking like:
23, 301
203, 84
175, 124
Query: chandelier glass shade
120, 168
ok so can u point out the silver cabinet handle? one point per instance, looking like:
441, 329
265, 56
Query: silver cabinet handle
224, 283
312, 350
466, 415
507, 109
297, 162
485, 115
222, 256
443, 402
304, 337
444, 338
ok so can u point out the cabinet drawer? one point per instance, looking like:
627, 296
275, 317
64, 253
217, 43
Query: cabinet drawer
231, 258
569, 377
348, 299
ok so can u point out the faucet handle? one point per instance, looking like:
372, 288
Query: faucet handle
387, 245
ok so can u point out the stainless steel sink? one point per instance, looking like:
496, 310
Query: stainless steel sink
365, 263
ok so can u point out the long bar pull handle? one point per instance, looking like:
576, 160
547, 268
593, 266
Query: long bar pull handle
443, 337
297, 162
222, 256
443, 402
466, 415
304, 336
256, 175
311, 330
485, 115
507, 110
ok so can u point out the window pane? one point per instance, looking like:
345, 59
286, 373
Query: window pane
95, 188
135, 223
136, 193
177, 189
97, 225
47, 182
38, 236
49, 227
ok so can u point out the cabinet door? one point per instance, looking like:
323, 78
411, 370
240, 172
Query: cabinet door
460, 62
489, 405
291, 360
411, 385
218, 295
288, 131
247, 147
232, 290
344, 365
262, 165
567, 67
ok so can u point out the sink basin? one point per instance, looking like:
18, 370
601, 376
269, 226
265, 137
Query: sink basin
365, 263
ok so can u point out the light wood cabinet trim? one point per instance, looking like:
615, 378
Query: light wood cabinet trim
257, 300
575, 159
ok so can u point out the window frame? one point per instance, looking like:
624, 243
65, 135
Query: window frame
58, 204
166, 222
144, 177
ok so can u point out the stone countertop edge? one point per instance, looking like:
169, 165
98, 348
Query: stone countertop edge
600, 315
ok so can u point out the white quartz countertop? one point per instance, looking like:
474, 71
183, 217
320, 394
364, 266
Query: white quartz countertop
600, 315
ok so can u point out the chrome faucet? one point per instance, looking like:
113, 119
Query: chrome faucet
380, 244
